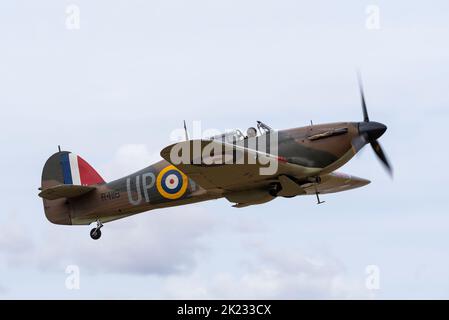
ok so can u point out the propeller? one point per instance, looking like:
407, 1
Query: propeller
362, 96
370, 131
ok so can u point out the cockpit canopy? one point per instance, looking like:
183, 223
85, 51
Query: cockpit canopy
229, 137
237, 135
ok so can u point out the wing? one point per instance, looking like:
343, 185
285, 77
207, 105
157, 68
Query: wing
222, 167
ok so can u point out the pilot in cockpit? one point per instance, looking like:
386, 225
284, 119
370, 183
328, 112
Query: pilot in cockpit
251, 132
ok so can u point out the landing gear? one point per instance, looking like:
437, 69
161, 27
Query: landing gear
274, 189
95, 233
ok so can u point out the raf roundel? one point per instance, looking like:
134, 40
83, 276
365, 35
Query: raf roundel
171, 183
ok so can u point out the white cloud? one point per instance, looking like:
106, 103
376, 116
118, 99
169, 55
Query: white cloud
271, 274
159, 243
171, 245
3, 290
156, 243
128, 159
15, 242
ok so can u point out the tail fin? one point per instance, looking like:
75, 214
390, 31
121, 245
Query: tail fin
65, 168
77, 171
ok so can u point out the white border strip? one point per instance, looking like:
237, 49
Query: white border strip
76, 179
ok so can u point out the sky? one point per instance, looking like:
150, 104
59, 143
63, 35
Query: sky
111, 81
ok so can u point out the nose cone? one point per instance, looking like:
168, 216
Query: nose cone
373, 130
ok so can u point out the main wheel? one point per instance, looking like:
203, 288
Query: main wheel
95, 234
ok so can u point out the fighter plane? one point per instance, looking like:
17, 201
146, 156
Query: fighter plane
246, 169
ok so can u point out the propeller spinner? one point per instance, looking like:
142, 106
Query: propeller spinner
370, 131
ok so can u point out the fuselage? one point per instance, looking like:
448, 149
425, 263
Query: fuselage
323, 148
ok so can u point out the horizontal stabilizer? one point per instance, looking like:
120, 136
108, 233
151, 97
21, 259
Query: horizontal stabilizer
64, 191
